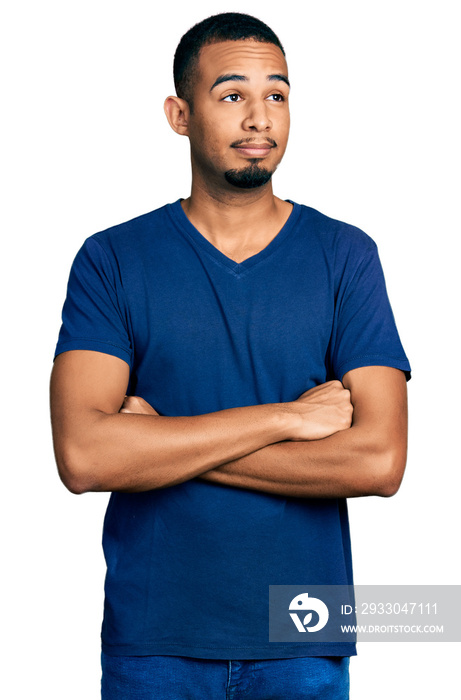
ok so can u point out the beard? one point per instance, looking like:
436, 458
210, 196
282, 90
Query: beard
250, 177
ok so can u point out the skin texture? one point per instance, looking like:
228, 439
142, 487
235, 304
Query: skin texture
337, 440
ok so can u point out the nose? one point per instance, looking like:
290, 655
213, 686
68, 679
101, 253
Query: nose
257, 117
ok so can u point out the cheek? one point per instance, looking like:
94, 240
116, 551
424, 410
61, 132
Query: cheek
284, 124
210, 135
283, 133
205, 150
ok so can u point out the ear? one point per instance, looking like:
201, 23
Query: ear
177, 112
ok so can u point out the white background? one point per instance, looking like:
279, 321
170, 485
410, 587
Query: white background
85, 145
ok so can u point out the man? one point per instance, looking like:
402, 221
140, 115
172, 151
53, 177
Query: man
228, 367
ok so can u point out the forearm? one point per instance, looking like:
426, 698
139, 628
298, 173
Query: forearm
105, 441
366, 459
342, 465
129, 452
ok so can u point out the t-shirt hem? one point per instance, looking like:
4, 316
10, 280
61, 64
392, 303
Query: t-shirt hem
374, 360
95, 345
233, 653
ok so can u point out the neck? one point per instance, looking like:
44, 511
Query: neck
238, 222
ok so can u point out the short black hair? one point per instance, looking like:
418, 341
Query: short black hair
227, 26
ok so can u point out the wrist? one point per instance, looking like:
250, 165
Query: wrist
287, 421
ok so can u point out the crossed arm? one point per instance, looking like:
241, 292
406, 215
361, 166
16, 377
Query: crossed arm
336, 440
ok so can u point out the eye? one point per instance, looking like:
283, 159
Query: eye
276, 97
232, 98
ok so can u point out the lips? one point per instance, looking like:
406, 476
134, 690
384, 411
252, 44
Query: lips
254, 149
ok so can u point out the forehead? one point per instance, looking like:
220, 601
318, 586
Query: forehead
241, 57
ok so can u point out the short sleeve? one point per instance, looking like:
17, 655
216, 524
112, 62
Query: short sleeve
364, 329
94, 315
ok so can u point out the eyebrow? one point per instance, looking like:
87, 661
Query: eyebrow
234, 77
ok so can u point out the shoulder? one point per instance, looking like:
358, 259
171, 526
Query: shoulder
333, 233
134, 230
128, 243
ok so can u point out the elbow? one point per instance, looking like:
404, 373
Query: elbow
73, 472
388, 471
388, 487
75, 485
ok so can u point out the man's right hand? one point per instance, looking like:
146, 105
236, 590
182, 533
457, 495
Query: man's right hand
322, 411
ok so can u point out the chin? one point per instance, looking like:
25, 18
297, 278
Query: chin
250, 177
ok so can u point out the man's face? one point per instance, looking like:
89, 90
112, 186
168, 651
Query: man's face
240, 122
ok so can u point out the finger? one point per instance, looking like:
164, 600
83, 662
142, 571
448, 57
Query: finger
136, 404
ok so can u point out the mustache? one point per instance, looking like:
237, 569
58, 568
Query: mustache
241, 142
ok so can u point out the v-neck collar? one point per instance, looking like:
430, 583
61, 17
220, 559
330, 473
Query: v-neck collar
187, 228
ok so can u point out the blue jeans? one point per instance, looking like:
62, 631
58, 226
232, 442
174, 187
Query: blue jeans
183, 678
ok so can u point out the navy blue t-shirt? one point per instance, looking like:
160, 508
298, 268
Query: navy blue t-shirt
189, 566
